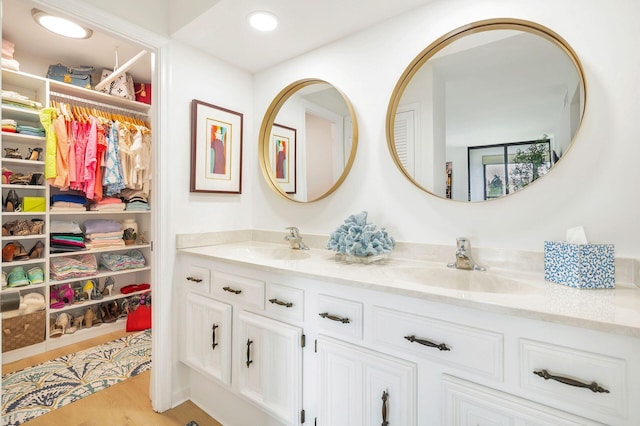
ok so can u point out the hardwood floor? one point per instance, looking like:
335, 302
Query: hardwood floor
125, 403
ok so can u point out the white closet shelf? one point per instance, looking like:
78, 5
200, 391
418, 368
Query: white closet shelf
101, 250
97, 212
102, 273
92, 302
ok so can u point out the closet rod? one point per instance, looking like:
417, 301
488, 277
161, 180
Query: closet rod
124, 111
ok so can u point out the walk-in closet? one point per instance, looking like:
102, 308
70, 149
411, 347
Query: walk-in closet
77, 170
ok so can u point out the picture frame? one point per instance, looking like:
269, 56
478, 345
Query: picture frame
282, 156
216, 149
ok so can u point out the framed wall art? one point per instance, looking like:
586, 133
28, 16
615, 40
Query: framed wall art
282, 152
216, 149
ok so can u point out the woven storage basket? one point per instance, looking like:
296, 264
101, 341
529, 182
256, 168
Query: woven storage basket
23, 330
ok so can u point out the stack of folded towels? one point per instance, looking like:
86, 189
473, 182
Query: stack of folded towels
135, 199
30, 130
101, 233
63, 268
66, 236
108, 204
15, 99
8, 62
68, 203
119, 261
9, 125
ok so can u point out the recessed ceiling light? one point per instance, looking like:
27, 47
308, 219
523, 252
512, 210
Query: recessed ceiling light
263, 21
60, 26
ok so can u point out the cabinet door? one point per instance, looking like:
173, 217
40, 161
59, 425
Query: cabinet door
363, 387
270, 365
207, 331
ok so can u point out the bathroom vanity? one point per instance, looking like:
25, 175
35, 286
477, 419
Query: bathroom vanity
275, 336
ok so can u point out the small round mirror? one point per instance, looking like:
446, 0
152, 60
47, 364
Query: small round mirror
486, 110
308, 140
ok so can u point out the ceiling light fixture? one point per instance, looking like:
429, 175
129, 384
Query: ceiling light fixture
60, 26
263, 21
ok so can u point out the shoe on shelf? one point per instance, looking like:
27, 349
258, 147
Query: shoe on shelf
17, 277
89, 318
107, 316
14, 251
36, 178
35, 275
36, 227
87, 289
4, 279
34, 153
6, 173
12, 202
36, 250
12, 153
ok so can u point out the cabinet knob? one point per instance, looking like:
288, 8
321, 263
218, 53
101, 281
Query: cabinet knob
231, 290
385, 408
194, 279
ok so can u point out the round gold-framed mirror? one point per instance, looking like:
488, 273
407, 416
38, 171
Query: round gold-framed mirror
308, 140
486, 109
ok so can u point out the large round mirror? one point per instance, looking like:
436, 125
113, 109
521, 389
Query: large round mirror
308, 140
486, 110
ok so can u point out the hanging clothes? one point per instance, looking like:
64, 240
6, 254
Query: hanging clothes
46, 118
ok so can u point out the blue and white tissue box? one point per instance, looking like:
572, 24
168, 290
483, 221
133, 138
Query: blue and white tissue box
580, 265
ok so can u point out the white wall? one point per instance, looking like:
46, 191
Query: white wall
595, 185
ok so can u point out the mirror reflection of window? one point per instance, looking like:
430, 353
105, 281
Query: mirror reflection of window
501, 169
494, 84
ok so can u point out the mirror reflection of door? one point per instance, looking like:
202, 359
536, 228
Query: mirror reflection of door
323, 126
483, 88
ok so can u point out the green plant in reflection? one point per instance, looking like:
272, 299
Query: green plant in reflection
528, 165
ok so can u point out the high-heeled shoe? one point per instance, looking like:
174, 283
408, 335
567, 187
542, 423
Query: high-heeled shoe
12, 202
13, 251
36, 250
108, 286
87, 289
12, 153
34, 153
107, 317
89, 318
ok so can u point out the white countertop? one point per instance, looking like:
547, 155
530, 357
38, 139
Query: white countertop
524, 294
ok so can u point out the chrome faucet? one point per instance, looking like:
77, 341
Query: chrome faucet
464, 260
294, 238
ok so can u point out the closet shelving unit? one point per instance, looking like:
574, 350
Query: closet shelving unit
44, 90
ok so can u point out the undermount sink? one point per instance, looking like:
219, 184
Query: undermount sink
455, 279
271, 253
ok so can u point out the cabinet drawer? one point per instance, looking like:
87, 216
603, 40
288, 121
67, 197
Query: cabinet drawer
197, 278
556, 374
475, 350
235, 288
339, 317
469, 404
285, 302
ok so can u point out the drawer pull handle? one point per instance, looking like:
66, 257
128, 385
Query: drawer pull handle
594, 386
213, 336
249, 362
385, 408
194, 279
441, 346
335, 318
281, 303
231, 290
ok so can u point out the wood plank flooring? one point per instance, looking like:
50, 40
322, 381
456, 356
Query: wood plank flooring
125, 403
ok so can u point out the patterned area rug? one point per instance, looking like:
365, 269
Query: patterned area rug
44, 387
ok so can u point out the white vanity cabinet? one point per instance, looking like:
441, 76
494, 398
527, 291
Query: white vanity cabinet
208, 337
376, 356
270, 372
241, 349
364, 387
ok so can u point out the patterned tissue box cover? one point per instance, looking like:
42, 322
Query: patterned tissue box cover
579, 265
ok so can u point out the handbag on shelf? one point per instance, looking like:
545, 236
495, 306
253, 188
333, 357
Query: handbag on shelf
78, 76
143, 92
122, 86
